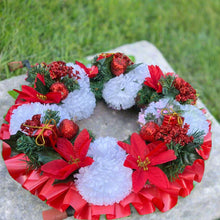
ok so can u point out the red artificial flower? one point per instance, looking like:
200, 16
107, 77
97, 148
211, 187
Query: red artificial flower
119, 63
74, 156
186, 91
153, 81
41, 78
29, 94
91, 72
143, 159
59, 69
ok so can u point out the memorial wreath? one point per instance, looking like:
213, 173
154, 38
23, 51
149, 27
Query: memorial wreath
46, 152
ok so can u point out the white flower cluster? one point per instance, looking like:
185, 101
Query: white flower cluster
106, 181
120, 92
193, 116
80, 103
26, 111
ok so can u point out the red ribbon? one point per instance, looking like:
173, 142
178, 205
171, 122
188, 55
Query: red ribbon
61, 196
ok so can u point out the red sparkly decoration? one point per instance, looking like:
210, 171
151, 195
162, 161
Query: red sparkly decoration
172, 120
148, 131
59, 69
34, 122
187, 92
175, 133
46, 135
60, 87
119, 63
68, 129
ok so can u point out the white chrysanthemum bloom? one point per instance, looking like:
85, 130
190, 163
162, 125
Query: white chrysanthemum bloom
195, 118
80, 103
120, 92
106, 181
81, 74
26, 111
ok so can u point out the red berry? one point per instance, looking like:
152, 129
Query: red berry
68, 129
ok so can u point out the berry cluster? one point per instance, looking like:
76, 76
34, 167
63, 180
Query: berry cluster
59, 69
30, 125
119, 63
186, 91
176, 133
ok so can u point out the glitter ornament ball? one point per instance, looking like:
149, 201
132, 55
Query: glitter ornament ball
149, 130
68, 129
60, 87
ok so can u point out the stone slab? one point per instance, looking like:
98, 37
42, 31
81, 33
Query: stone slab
203, 202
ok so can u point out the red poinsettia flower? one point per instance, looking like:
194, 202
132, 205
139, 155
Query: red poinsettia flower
91, 72
40, 77
29, 94
74, 156
153, 81
143, 159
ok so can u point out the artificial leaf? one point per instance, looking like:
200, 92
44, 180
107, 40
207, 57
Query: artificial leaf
13, 94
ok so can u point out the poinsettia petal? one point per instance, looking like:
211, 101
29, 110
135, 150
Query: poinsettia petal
131, 162
86, 162
65, 148
157, 177
139, 178
149, 82
81, 144
139, 146
128, 148
58, 169
155, 72
53, 97
163, 157
158, 147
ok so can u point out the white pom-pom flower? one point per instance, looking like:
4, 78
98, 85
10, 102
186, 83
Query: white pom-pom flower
80, 103
120, 92
195, 118
26, 111
106, 181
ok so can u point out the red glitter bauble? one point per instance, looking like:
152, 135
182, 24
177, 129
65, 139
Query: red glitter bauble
149, 130
68, 129
119, 63
60, 87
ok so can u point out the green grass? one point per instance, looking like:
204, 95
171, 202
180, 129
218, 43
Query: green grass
187, 33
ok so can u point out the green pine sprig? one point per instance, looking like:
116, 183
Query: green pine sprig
49, 114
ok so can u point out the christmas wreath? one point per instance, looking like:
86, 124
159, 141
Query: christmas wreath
74, 172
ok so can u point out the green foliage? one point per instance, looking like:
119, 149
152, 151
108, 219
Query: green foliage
147, 95
168, 88
27, 145
131, 67
70, 83
12, 141
41, 88
104, 75
33, 71
49, 114
13, 94
37, 155
186, 155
